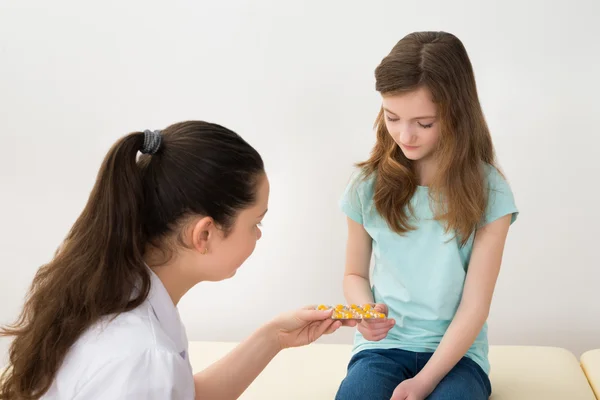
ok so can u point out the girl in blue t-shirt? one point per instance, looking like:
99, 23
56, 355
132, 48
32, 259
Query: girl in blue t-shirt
433, 210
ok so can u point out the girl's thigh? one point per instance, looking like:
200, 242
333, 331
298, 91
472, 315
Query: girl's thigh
374, 374
466, 381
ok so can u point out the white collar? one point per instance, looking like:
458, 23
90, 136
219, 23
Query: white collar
166, 313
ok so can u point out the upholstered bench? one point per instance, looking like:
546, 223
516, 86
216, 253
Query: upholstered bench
590, 362
314, 372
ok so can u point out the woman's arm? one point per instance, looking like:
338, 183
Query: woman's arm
357, 286
475, 303
229, 377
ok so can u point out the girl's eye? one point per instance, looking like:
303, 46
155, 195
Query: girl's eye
391, 119
425, 126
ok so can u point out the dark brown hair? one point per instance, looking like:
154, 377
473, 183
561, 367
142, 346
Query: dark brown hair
439, 62
199, 169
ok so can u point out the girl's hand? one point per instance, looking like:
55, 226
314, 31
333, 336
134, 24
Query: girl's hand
301, 327
374, 329
411, 389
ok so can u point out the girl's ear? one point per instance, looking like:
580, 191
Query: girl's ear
202, 232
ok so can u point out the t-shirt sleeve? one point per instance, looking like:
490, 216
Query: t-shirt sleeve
501, 201
151, 375
351, 202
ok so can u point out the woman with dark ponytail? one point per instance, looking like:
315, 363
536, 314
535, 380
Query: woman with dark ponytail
100, 320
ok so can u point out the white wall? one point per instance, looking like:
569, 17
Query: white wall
296, 80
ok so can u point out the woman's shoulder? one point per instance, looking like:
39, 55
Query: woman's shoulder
135, 330
115, 336
127, 343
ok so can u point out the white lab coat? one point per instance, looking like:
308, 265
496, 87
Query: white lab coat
141, 354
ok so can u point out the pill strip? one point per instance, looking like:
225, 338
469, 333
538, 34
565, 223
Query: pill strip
352, 311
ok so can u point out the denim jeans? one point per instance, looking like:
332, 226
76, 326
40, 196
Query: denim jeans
374, 374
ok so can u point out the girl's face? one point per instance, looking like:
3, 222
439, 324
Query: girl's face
412, 121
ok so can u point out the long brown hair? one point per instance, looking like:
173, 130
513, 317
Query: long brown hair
439, 62
199, 169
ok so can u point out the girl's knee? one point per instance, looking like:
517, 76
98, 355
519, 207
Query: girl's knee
466, 381
371, 375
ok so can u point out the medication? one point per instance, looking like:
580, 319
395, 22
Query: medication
352, 311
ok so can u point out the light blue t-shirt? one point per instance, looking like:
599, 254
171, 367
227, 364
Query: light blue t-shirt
420, 276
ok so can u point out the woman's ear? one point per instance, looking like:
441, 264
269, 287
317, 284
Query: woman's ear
202, 232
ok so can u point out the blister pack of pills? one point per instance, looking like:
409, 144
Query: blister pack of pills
353, 311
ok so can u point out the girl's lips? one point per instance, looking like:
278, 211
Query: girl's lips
410, 147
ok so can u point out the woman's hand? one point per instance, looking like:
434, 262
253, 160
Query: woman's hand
376, 329
304, 326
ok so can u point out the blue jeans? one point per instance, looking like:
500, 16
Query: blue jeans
374, 374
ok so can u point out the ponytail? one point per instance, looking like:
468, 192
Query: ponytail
191, 168
93, 274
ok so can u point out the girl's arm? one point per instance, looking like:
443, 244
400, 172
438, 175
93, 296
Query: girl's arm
357, 286
475, 303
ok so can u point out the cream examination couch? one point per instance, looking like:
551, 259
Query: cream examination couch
518, 372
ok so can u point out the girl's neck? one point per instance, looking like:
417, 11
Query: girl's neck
425, 170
